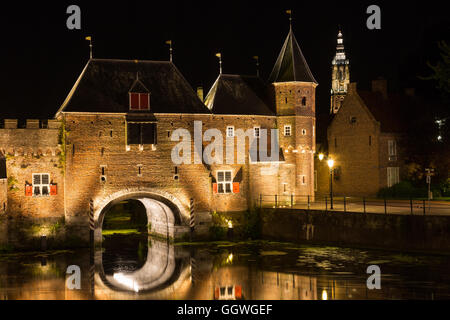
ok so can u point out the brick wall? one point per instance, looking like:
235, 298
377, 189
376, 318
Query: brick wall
355, 149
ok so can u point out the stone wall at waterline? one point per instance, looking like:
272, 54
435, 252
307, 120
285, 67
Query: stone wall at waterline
396, 232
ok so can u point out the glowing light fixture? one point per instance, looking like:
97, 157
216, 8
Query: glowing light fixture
321, 155
330, 163
324, 295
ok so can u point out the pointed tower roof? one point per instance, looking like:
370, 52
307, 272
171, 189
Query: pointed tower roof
291, 64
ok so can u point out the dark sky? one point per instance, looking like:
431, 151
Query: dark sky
41, 58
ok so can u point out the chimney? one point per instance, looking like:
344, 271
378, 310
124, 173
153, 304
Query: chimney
200, 93
380, 85
411, 92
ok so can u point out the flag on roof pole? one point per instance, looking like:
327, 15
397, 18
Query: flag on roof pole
219, 55
169, 42
89, 38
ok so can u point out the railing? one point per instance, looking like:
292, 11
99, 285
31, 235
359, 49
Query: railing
355, 204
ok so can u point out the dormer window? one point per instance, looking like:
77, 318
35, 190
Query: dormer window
139, 101
139, 96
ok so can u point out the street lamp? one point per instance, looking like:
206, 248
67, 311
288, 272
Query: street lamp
321, 155
330, 165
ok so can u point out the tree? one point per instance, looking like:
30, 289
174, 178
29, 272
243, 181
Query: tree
441, 71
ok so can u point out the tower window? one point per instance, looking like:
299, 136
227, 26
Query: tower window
256, 132
139, 170
287, 130
304, 132
352, 120
370, 140
230, 131
285, 100
335, 142
304, 101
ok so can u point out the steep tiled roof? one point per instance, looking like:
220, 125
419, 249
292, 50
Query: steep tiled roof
391, 112
235, 94
104, 84
291, 64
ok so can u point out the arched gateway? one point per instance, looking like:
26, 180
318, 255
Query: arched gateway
166, 215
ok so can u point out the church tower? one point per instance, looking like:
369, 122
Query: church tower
340, 76
293, 91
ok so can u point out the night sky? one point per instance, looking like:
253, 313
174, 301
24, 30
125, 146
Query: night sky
41, 58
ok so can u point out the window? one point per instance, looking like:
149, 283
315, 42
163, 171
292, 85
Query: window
352, 120
393, 176
303, 180
139, 101
141, 133
285, 188
230, 131
304, 132
287, 130
224, 182
256, 131
335, 142
41, 184
139, 170
370, 140
392, 150
315, 180
304, 101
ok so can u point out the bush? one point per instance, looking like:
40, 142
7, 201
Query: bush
217, 232
404, 189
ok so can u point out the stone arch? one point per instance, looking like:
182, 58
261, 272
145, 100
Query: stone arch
162, 269
165, 213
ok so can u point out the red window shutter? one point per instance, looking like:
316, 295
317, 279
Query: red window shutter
143, 101
28, 190
215, 187
238, 292
235, 187
134, 101
216, 293
53, 189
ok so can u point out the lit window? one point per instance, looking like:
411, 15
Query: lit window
224, 182
392, 150
256, 131
287, 130
230, 131
393, 176
41, 184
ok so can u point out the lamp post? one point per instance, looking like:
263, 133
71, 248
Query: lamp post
330, 165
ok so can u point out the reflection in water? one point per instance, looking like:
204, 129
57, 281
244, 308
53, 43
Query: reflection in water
127, 269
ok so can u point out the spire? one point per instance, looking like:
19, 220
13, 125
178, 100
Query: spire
291, 64
340, 57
